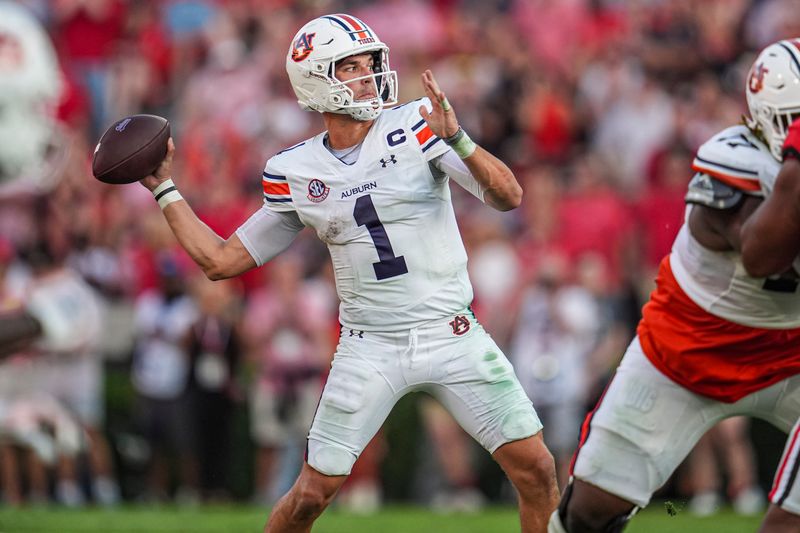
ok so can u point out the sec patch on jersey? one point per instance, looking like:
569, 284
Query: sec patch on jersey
131, 149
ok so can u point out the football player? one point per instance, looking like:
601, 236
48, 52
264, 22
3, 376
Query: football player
375, 188
720, 335
32, 146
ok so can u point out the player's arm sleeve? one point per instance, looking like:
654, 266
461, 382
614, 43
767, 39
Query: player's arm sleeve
268, 232
449, 164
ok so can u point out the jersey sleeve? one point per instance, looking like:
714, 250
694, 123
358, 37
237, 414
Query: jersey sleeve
449, 164
268, 232
732, 158
431, 145
277, 195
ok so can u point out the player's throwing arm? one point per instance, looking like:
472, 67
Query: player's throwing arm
139, 148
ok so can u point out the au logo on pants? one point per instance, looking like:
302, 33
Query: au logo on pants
460, 325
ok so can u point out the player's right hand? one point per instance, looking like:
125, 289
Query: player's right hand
164, 170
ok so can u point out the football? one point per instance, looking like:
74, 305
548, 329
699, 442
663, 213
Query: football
131, 149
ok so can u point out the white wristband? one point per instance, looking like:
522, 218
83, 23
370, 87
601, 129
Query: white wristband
461, 144
166, 193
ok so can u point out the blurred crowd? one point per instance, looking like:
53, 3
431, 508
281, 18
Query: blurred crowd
598, 106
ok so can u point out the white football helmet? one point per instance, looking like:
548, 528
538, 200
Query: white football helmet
311, 63
30, 84
773, 92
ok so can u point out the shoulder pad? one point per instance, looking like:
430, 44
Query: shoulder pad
734, 156
711, 192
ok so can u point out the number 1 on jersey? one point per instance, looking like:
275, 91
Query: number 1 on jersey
389, 265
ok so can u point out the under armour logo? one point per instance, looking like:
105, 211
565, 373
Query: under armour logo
356, 333
391, 160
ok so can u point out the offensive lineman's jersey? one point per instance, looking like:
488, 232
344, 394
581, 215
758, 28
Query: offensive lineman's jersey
718, 282
388, 222
709, 325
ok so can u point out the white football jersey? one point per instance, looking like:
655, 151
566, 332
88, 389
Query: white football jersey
717, 281
388, 222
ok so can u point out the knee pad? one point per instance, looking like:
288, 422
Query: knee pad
330, 460
574, 523
520, 423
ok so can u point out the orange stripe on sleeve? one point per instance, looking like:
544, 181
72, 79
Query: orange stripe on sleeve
275, 188
424, 134
744, 184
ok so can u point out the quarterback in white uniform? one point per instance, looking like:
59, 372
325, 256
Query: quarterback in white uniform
375, 188
720, 335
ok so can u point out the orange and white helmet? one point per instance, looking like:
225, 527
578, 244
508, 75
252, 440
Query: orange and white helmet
773, 92
311, 64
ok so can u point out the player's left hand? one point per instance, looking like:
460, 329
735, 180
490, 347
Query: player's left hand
442, 119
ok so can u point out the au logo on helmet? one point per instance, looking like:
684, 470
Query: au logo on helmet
756, 81
302, 47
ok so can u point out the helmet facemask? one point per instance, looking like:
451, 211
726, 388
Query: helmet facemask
385, 83
773, 123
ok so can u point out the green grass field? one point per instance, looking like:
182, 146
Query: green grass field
395, 519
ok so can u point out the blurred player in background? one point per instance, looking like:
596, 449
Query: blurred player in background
55, 308
72, 371
720, 334
30, 85
30, 146
375, 189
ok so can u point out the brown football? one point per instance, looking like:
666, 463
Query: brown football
131, 149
